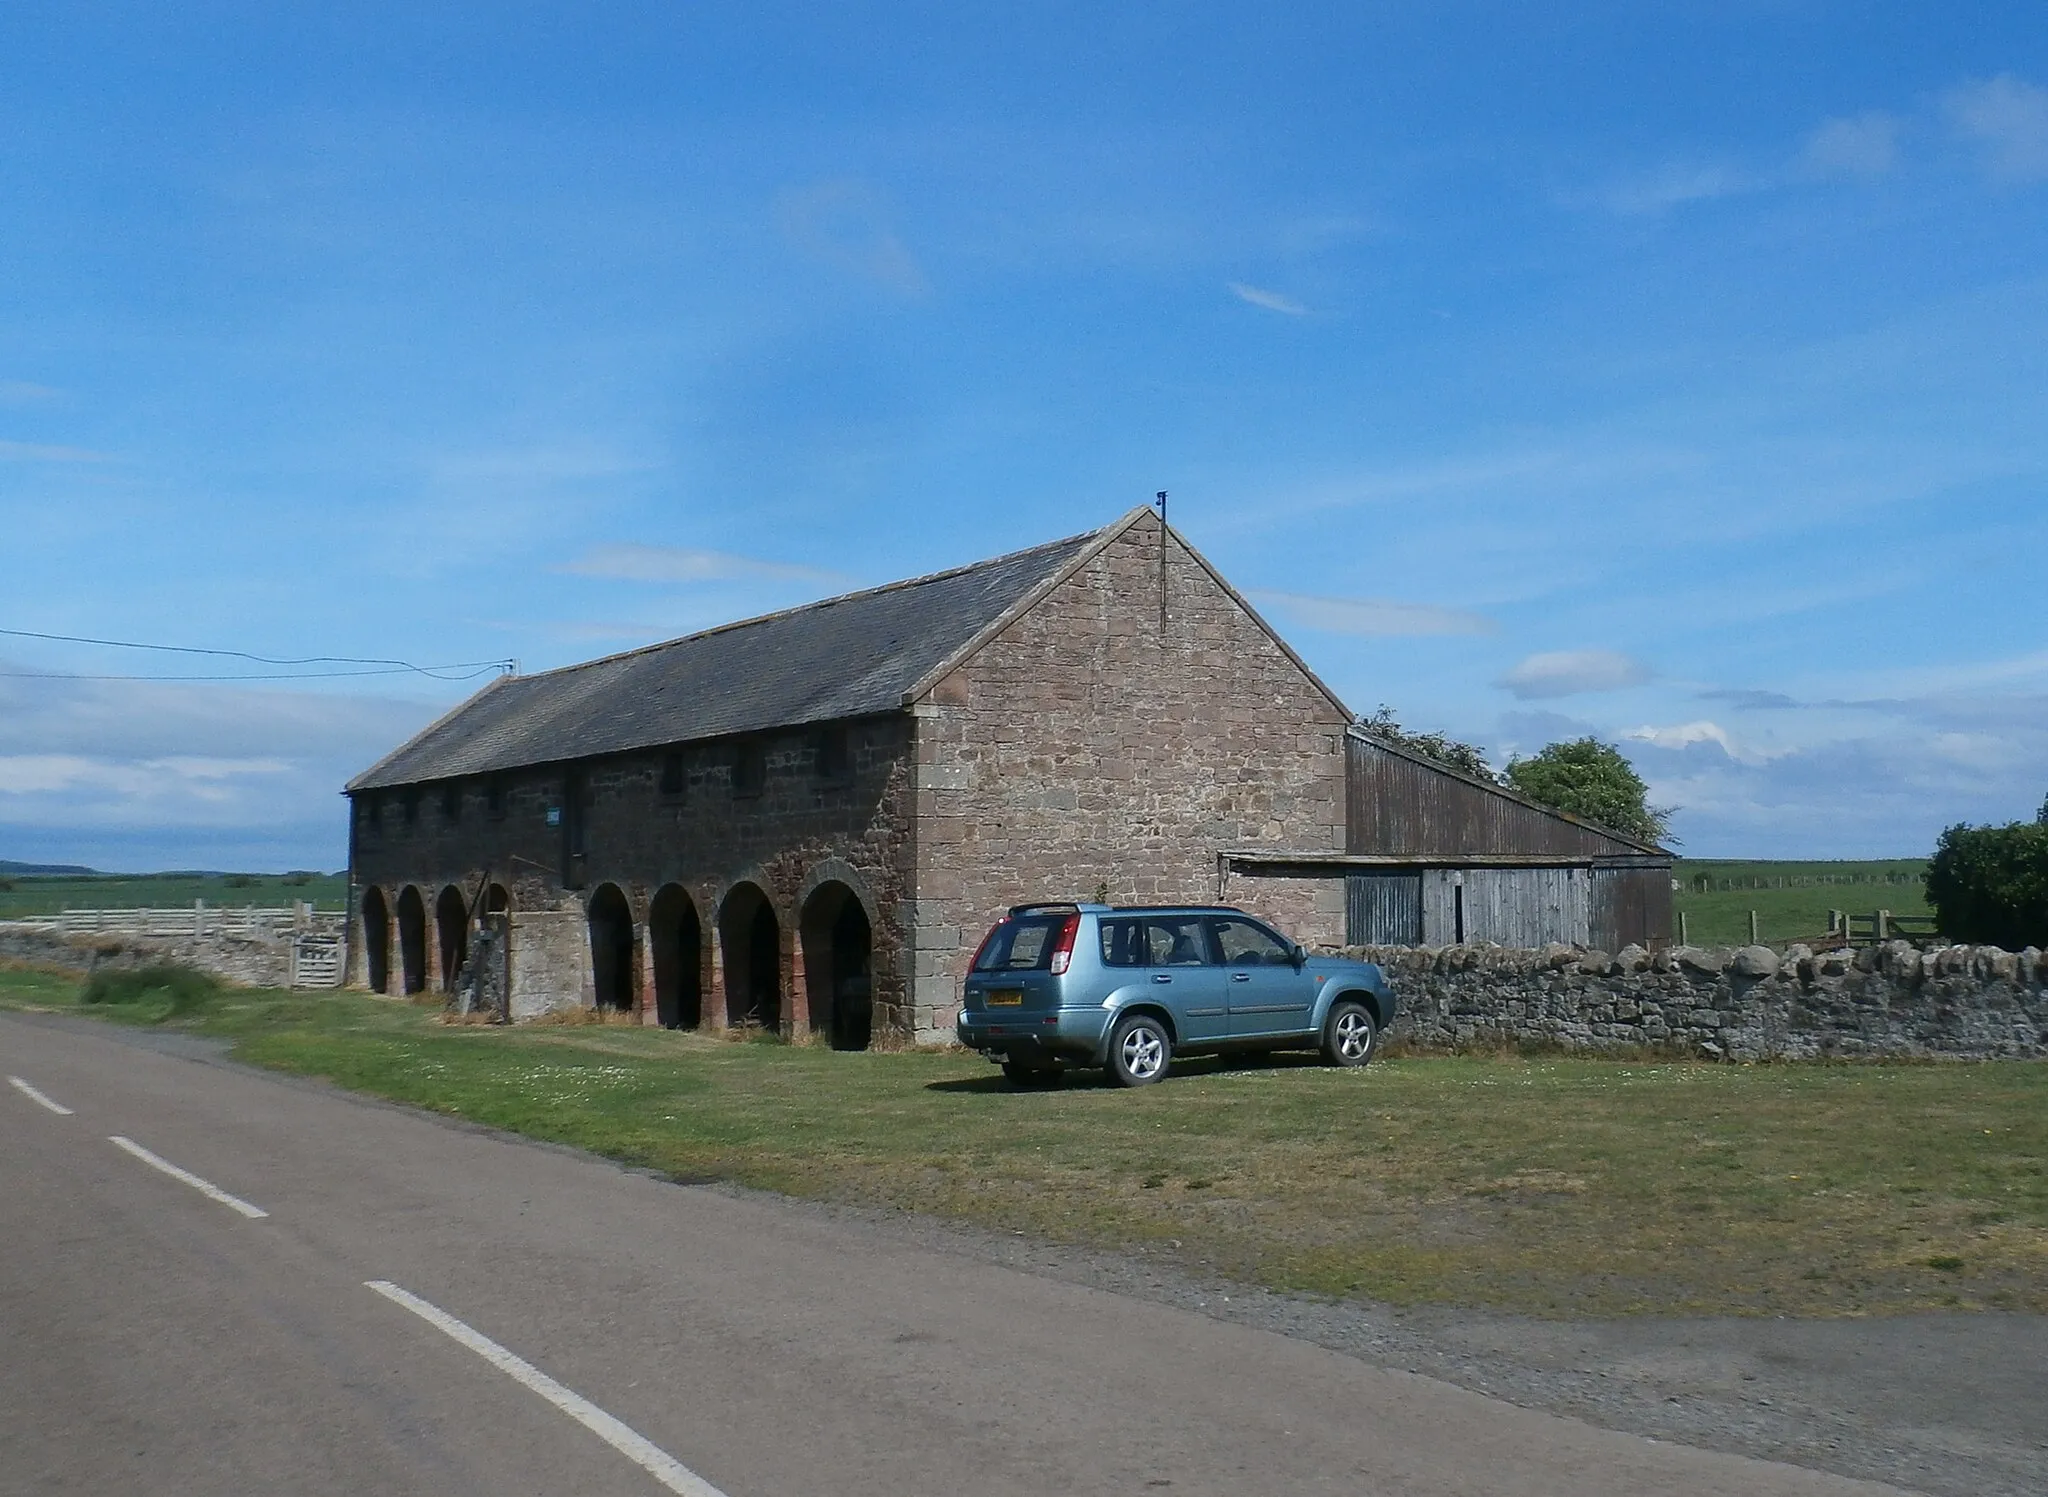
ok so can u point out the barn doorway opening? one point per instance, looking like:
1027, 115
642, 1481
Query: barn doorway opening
611, 949
678, 940
451, 924
412, 940
377, 940
838, 963
751, 938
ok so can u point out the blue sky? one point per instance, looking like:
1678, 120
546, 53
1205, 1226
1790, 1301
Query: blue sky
1672, 372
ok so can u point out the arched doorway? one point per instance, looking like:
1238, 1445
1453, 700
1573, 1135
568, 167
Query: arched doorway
750, 937
838, 962
678, 940
376, 940
611, 949
451, 924
412, 940
497, 901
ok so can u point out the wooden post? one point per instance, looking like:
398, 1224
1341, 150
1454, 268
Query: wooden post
1884, 923
1684, 939
1752, 927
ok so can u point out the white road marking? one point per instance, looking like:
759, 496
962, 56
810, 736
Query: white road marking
35, 1096
657, 1462
211, 1191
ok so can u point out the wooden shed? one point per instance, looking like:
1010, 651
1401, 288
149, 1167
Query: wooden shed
1434, 857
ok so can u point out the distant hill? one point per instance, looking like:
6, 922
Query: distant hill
35, 868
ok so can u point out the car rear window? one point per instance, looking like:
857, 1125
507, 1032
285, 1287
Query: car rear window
1023, 943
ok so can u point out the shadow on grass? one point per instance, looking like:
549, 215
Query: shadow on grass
1185, 1068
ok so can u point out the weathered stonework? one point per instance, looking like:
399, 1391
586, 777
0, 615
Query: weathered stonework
1082, 752
1070, 749
259, 961
1751, 1003
703, 834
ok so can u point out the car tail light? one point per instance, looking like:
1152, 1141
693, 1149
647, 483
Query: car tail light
1063, 946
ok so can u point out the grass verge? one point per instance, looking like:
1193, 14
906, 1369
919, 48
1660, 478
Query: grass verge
1546, 1186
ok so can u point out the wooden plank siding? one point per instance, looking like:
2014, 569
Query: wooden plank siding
1506, 906
1403, 803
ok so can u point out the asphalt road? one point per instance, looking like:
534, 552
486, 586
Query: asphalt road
547, 1323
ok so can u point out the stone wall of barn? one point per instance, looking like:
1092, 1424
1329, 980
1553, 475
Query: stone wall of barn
1752, 1003
1084, 752
825, 821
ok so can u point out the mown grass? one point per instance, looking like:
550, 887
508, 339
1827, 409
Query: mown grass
1792, 899
1547, 1186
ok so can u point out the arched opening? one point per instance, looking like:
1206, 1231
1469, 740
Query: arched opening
838, 962
678, 940
451, 924
750, 938
496, 900
376, 940
412, 940
611, 949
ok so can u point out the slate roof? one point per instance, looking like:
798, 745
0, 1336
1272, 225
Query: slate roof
850, 656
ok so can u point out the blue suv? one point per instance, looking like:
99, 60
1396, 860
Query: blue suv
1129, 987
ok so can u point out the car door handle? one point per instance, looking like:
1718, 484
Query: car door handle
1240, 977
1162, 977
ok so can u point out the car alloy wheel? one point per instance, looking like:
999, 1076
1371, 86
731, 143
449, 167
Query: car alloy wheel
1140, 1051
1349, 1035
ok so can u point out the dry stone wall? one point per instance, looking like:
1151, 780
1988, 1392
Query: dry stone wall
261, 961
1749, 1003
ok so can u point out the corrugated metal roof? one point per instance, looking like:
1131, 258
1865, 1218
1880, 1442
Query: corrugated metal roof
845, 657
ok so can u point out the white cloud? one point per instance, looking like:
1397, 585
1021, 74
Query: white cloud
1685, 735
1676, 185
2010, 119
33, 452
1564, 673
1372, 617
25, 392
144, 779
1864, 145
1272, 301
630, 562
845, 223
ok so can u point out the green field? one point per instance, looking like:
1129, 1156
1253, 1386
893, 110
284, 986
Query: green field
42, 894
1544, 1186
1791, 899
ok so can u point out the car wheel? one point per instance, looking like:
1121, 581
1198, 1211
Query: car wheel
1349, 1035
1139, 1051
1020, 1075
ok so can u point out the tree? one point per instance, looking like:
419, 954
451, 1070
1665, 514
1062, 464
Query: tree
1989, 884
1439, 748
1591, 780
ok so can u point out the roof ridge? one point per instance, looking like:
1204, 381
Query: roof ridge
782, 613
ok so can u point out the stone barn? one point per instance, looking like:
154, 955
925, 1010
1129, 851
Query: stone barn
806, 821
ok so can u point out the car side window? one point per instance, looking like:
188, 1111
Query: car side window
1123, 943
1246, 944
1177, 941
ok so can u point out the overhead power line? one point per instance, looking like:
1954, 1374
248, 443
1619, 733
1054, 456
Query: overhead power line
461, 670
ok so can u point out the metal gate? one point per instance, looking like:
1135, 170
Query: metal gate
1383, 909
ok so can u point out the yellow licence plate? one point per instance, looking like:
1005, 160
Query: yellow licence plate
1005, 998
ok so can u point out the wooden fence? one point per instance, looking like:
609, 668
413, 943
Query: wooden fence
200, 920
